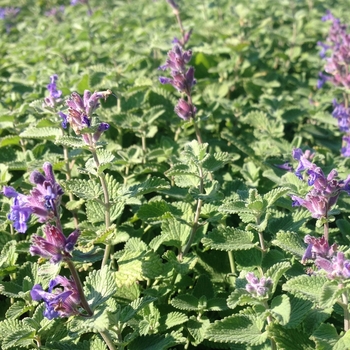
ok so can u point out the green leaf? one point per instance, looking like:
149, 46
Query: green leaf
276, 271
71, 142
229, 239
326, 338
281, 309
19, 338
186, 302
159, 342
330, 294
41, 133
286, 338
239, 329
129, 311
152, 184
99, 286
17, 309
170, 320
299, 308
272, 196
137, 263
85, 189
309, 287
174, 233
218, 160
290, 242
197, 328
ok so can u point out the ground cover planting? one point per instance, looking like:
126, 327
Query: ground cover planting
174, 174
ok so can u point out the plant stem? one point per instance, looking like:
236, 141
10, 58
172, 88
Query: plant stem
345, 300
326, 231
103, 182
108, 340
196, 217
269, 320
232, 262
77, 281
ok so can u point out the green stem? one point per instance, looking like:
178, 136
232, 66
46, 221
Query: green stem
326, 231
195, 224
108, 340
103, 182
232, 262
77, 281
345, 301
269, 320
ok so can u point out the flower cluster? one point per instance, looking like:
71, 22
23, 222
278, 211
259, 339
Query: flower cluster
8, 15
336, 267
80, 115
55, 95
56, 13
337, 69
318, 248
258, 287
61, 300
43, 200
182, 79
325, 189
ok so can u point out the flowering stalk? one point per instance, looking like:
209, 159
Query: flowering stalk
183, 80
185, 35
80, 117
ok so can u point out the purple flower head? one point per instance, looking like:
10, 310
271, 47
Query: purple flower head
342, 114
336, 268
56, 246
20, 209
345, 151
55, 12
80, 110
64, 119
256, 287
184, 110
328, 16
285, 166
303, 159
8, 15
325, 191
54, 98
182, 42
45, 198
177, 59
318, 247
61, 300
101, 128
323, 78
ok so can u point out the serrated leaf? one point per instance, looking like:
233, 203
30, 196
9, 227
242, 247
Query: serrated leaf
99, 286
17, 309
137, 263
170, 320
276, 271
309, 287
330, 294
218, 160
286, 338
185, 302
281, 309
71, 141
159, 342
290, 242
41, 133
85, 189
9, 140
152, 184
272, 196
135, 306
239, 329
197, 328
229, 239
327, 338
19, 338
299, 308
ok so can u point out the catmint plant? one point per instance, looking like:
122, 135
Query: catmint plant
8, 15
337, 69
325, 190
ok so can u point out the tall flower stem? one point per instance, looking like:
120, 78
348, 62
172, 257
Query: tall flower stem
77, 281
103, 182
232, 262
269, 320
108, 340
326, 230
195, 224
345, 306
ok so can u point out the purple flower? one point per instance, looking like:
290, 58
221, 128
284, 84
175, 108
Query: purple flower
285, 166
177, 59
323, 78
54, 98
325, 191
20, 209
303, 159
56, 246
336, 268
8, 15
62, 298
185, 110
259, 288
342, 114
43, 200
345, 151
80, 111
318, 247
55, 12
